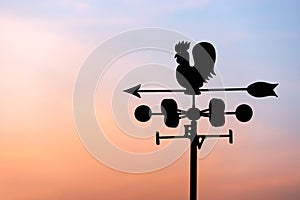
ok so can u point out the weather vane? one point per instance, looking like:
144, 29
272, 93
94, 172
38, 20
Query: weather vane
192, 78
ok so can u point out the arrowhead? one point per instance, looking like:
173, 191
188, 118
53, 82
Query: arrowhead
134, 90
262, 89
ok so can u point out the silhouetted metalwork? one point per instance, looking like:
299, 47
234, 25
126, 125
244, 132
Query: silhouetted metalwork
257, 89
192, 79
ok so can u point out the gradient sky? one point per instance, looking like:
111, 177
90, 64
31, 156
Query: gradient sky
42, 47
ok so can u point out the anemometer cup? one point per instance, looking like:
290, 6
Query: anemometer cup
217, 114
142, 113
243, 113
169, 110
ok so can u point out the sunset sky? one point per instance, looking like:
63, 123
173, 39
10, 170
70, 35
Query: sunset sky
43, 45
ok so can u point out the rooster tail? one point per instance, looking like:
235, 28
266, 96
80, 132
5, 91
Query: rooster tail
204, 55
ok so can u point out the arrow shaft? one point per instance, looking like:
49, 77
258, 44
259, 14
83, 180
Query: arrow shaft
201, 90
222, 89
158, 90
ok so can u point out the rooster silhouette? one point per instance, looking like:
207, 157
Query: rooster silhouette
193, 77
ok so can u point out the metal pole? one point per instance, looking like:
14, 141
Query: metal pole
193, 161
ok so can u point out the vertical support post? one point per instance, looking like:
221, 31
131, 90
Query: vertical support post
193, 101
193, 160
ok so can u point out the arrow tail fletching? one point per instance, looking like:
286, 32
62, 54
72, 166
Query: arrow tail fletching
262, 89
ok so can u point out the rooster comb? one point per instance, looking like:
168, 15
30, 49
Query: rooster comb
182, 46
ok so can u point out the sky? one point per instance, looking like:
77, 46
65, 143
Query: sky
43, 45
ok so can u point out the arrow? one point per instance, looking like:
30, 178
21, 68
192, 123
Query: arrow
257, 89
136, 90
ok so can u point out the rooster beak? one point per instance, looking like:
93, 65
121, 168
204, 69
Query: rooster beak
176, 55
